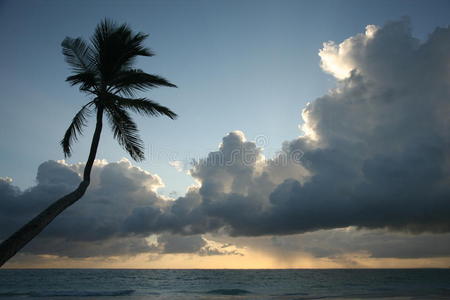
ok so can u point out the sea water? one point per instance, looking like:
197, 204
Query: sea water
67, 284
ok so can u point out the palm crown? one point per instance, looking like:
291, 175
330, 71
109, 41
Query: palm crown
104, 69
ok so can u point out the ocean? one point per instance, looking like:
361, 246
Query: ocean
71, 284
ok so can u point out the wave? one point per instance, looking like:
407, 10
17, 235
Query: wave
12, 294
70, 293
231, 292
295, 294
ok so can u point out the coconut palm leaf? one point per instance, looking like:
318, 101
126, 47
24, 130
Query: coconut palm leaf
129, 81
125, 131
87, 80
77, 54
116, 48
132, 46
144, 106
75, 128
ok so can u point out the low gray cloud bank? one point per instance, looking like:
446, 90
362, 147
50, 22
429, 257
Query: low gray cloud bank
375, 154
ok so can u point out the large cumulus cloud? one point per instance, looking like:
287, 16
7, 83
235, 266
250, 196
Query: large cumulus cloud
101, 224
374, 154
380, 140
92, 226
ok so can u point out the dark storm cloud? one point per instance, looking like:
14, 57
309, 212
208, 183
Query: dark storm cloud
375, 154
92, 227
113, 218
376, 243
181, 244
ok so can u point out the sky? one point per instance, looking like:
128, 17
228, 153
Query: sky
339, 105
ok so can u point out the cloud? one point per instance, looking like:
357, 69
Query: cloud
103, 223
374, 155
376, 243
194, 244
181, 244
93, 226
179, 165
378, 144
340, 60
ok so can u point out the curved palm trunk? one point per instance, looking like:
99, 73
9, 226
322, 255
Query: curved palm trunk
10, 246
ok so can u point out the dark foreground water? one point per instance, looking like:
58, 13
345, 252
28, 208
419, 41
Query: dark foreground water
225, 284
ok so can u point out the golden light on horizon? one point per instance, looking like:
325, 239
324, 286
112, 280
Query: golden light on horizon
251, 259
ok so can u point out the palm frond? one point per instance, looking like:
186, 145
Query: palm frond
116, 48
144, 106
77, 54
127, 82
131, 45
125, 131
75, 128
87, 81
104, 47
103, 30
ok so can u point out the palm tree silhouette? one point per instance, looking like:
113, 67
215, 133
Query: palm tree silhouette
103, 69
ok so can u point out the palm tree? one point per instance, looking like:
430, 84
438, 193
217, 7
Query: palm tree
103, 69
